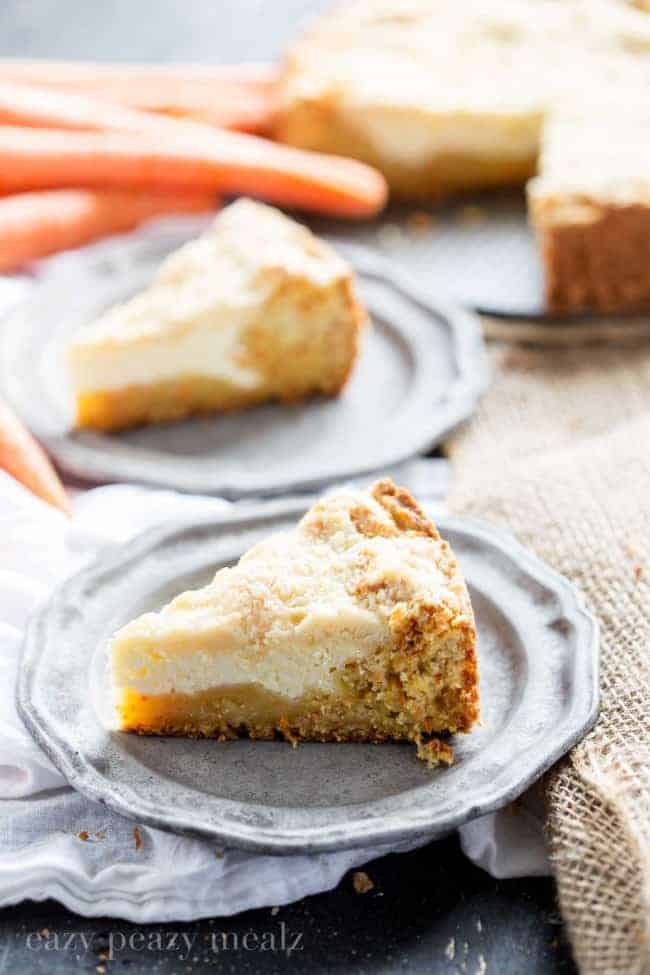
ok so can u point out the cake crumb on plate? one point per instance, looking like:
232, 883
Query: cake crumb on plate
361, 882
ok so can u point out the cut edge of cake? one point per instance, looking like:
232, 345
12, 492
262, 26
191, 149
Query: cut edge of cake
595, 256
590, 206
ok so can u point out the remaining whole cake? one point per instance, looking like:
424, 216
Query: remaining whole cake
421, 88
354, 626
444, 96
255, 309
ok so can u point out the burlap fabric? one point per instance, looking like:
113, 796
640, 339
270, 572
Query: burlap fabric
560, 453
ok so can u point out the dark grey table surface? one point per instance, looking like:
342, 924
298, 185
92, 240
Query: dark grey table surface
431, 910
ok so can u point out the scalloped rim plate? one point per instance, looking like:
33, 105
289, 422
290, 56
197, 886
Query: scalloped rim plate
538, 650
420, 373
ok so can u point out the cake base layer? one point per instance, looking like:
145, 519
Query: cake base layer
395, 694
174, 399
317, 127
250, 711
598, 264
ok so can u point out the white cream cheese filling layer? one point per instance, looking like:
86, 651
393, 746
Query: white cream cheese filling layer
194, 317
319, 647
296, 609
412, 139
204, 350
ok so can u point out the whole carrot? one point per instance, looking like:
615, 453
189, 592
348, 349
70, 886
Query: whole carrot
23, 458
123, 109
27, 104
34, 225
42, 108
242, 108
68, 74
224, 162
231, 96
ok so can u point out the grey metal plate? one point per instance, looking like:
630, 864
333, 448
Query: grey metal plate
478, 251
539, 691
420, 373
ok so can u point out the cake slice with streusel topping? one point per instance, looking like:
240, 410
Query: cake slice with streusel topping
354, 626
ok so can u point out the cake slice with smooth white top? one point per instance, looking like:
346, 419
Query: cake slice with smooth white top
255, 309
354, 626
